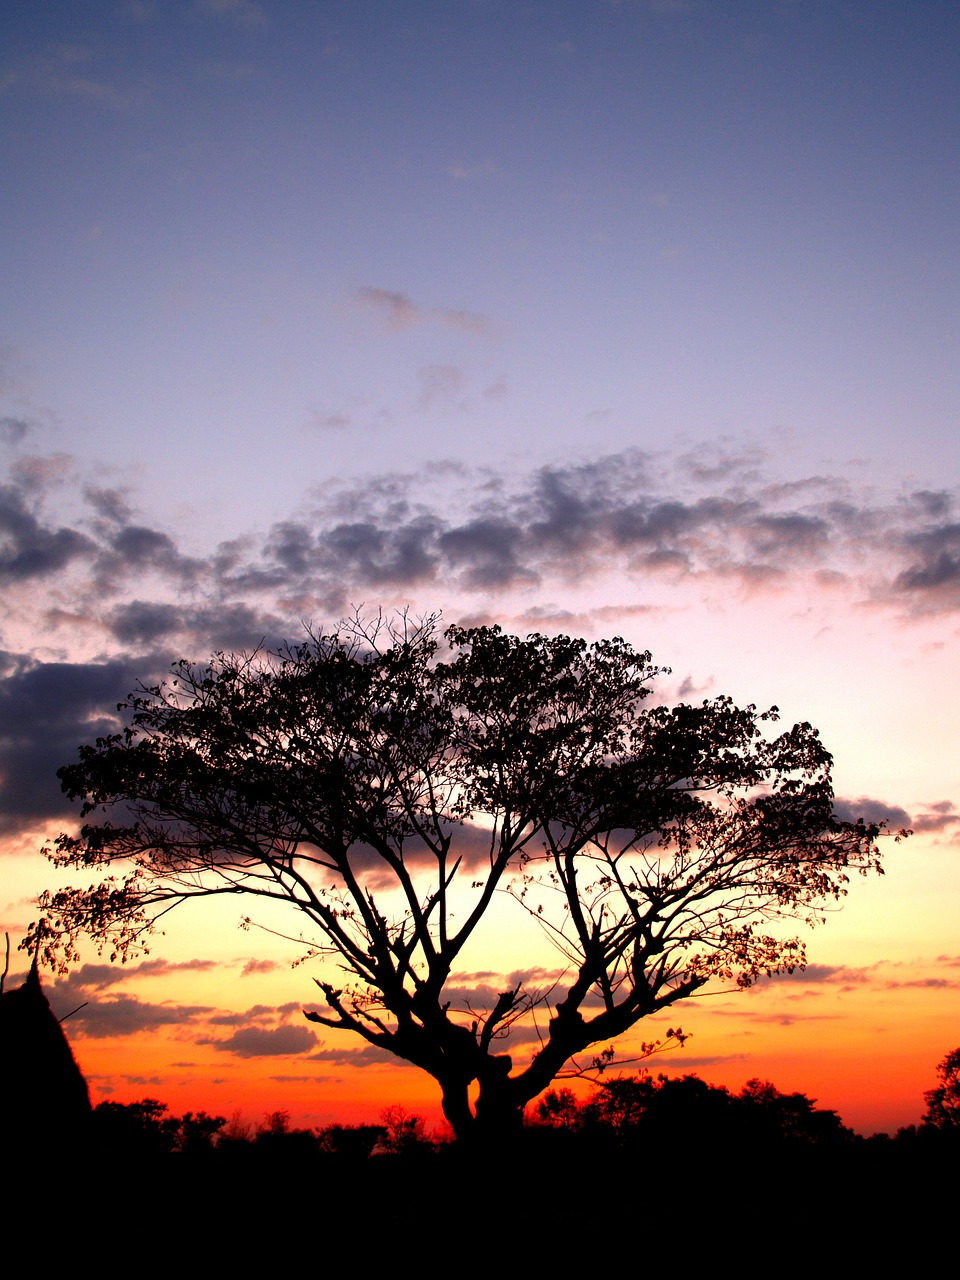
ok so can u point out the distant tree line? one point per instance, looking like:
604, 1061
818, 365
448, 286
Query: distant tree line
146, 1130
654, 1115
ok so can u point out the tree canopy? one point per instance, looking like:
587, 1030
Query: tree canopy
386, 781
943, 1102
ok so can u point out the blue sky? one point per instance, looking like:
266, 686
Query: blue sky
634, 316
612, 225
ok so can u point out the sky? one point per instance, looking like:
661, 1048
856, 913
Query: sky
631, 317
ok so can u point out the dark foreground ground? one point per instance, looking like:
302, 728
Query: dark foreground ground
578, 1200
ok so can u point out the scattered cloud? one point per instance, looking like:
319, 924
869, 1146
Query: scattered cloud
683, 1064
939, 818
330, 421
671, 6
823, 974
221, 71
62, 70
469, 172
786, 1019
399, 312
242, 12
882, 975
930, 984
440, 385
397, 309
536, 975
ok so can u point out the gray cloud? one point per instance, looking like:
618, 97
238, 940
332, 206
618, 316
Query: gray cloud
229, 627
368, 1056
463, 172
89, 978
258, 1013
821, 975
46, 711
470, 843
362, 551
504, 980
936, 560
936, 504
110, 504
33, 546
486, 551
29, 548
942, 816
871, 810
266, 1042
125, 1015
568, 521
144, 621
14, 430
931, 984
135, 549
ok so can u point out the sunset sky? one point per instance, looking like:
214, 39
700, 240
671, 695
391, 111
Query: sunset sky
585, 316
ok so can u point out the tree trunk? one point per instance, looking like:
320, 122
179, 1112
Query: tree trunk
496, 1121
456, 1109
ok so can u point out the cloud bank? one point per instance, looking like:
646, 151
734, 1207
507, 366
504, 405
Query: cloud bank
79, 563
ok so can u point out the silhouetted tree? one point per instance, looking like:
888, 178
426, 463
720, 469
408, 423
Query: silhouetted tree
137, 1128
943, 1102
386, 788
146, 1128
791, 1117
622, 1103
352, 1142
403, 1134
681, 1113
558, 1109
276, 1138
685, 1113
276, 1124
199, 1132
